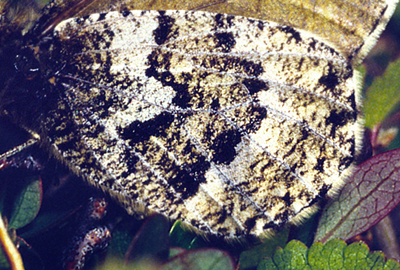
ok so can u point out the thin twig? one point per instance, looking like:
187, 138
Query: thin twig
11, 252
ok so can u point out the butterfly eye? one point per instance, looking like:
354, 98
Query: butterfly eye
26, 64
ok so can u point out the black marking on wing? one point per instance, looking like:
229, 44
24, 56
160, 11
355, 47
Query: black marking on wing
158, 60
125, 12
339, 119
320, 164
187, 179
331, 80
165, 29
141, 131
224, 146
292, 32
254, 85
223, 21
130, 160
225, 41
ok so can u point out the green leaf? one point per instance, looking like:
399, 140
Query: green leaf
249, 259
306, 230
174, 251
201, 259
27, 204
4, 264
151, 240
367, 197
382, 96
334, 254
115, 263
122, 236
293, 256
328, 256
184, 238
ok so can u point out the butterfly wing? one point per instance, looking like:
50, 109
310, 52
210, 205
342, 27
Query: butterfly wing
233, 125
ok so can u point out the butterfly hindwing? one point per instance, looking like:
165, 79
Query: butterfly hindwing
233, 125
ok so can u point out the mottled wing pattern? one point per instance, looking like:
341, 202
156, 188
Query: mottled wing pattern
233, 125
352, 26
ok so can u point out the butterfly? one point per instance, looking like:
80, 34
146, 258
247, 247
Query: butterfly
234, 125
